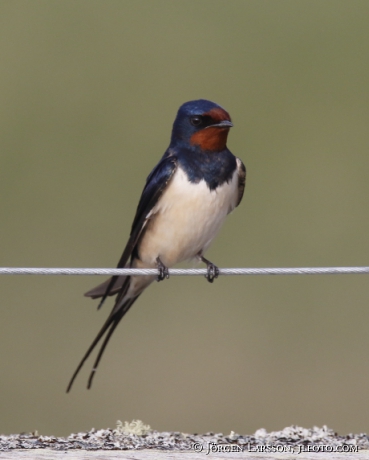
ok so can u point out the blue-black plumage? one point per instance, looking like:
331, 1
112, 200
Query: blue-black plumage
186, 199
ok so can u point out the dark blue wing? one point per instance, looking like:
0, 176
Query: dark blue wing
156, 183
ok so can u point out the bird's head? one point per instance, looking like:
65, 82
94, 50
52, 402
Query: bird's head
202, 123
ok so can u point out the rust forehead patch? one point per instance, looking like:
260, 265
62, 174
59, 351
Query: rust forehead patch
218, 114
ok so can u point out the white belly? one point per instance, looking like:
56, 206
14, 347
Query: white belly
186, 219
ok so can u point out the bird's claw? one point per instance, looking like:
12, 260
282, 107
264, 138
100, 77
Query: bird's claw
213, 272
163, 271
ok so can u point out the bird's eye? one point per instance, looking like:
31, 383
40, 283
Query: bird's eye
196, 120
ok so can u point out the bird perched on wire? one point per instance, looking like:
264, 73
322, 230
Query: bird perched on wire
186, 199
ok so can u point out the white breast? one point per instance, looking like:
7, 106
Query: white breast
186, 219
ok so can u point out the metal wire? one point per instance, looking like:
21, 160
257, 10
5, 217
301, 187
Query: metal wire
185, 272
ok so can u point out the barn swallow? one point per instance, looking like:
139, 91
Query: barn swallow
186, 199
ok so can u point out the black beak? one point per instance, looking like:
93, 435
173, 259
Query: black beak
222, 124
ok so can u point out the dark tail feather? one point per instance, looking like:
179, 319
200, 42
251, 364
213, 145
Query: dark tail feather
107, 292
122, 263
89, 351
100, 290
111, 323
115, 321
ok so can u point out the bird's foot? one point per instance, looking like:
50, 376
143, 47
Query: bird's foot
163, 270
213, 270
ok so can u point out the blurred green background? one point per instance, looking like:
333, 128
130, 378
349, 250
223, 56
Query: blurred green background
89, 90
